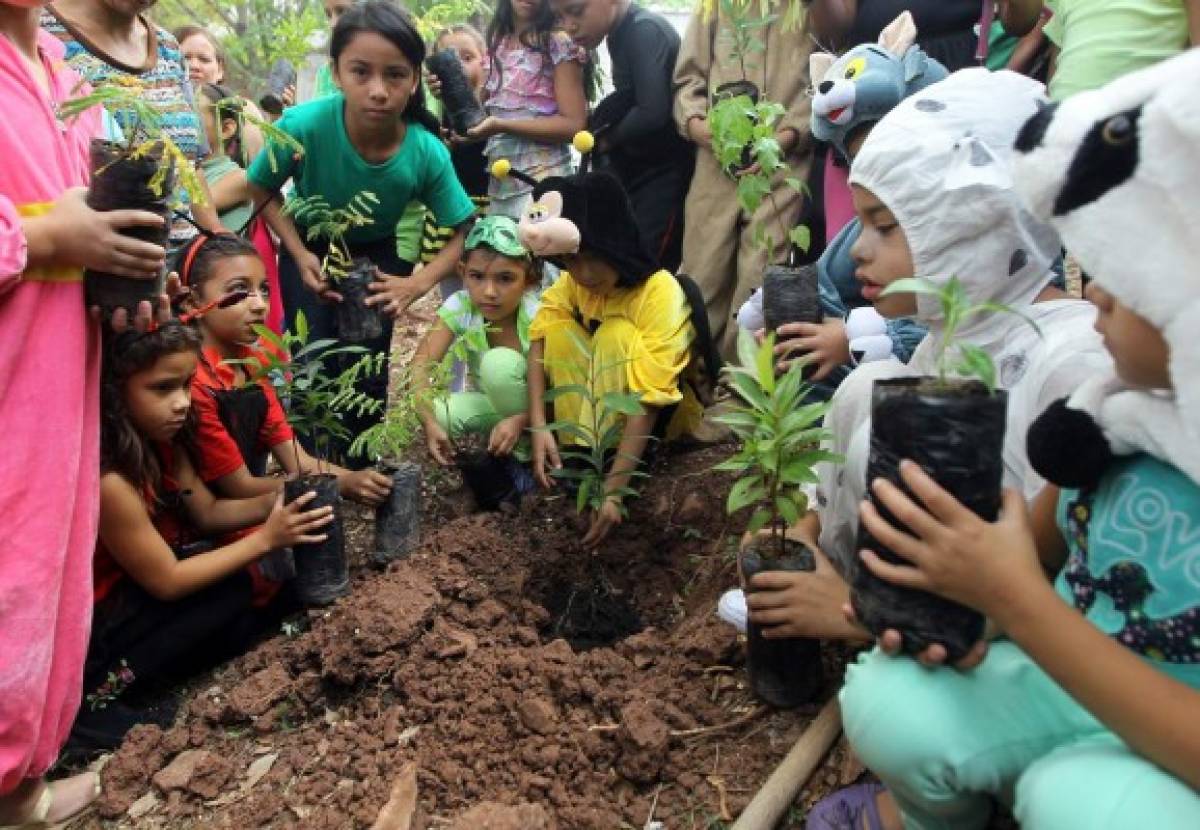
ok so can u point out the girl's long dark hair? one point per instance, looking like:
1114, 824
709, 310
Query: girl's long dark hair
537, 36
227, 105
123, 450
395, 25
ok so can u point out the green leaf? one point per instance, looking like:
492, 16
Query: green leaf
801, 237
912, 285
787, 509
619, 402
744, 493
555, 392
758, 520
975, 362
750, 392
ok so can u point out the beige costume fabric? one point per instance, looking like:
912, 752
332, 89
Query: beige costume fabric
718, 251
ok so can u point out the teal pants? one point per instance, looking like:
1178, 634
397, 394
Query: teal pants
502, 393
944, 741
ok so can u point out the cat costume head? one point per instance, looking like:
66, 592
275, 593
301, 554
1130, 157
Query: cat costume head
868, 81
1113, 169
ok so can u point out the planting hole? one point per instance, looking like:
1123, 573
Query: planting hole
588, 614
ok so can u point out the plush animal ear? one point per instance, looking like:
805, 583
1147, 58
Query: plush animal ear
900, 34
552, 201
818, 65
915, 64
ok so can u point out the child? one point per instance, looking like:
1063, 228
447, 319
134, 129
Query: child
491, 319
635, 321
635, 131
205, 61
159, 604
49, 411
325, 85
115, 44
534, 97
240, 422
719, 252
468, 157
226, 178
1087, 713
376, 136
1097, 42
844, 110
931, 178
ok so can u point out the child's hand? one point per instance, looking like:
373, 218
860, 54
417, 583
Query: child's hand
825, 345
699, 131
92, 239
891, 642
801, 604
287, 526
545, 457
309, 265
603, 521
396, 294
955, 553
438, 444
486, 128
433, 83
369, 487
506, 434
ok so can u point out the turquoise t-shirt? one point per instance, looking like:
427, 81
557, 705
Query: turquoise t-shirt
420, 170
1134, 563
1101, 41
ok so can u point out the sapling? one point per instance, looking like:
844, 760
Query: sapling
598, 433
356, 321
782, 441
316, 400
952, 425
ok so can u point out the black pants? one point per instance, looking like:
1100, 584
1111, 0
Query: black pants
322, 324
162, 641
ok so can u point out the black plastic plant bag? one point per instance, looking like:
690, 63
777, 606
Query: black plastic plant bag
356, 321
321, 572
488, 479
791, 295
398, 519
955, 433
279, 78
784, 672
461, 106
122, 182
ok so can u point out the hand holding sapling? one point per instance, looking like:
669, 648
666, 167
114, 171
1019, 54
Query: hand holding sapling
799, 604
288, 526
823, 345
369, 487
74, 234
545, 459
950, 550
505, 435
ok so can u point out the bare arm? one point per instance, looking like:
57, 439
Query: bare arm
638, 429
1019, 17
241, 484
212, 515
536, 381
230, 191
205, 214
283, 225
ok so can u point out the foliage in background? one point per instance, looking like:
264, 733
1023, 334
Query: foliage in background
792, 10
781, 436
602, 423
962, 359
401, 424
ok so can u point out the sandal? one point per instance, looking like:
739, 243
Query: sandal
39, 816
845, 809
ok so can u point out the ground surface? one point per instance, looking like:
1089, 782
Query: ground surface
452, 662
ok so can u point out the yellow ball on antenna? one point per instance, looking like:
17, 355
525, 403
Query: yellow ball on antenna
584, 141
501, 168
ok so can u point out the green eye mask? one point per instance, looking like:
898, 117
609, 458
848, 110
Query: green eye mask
498, 233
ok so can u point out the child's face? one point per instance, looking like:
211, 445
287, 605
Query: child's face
1138, 348
591, 272
234, 326
525, 10
334, 9
588, 22
159, 397
495, 282
201, 58
469, 53
881, 255
376, 78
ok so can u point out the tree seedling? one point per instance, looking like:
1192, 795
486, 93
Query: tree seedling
597, 435
952, 356
781, 436
332, 224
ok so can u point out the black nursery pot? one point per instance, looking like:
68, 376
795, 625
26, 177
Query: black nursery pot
356, 321
785, 673
488, 478
461, 106
281, 76
398, 520
121, 182
955, 431
321, 572
791, 295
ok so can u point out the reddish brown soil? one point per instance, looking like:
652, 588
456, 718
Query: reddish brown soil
448, 660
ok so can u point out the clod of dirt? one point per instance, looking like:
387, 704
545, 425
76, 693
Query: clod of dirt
259, 692
195, 770
491, 815
538, 716
644, 738
128, 772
